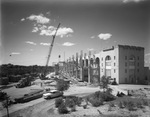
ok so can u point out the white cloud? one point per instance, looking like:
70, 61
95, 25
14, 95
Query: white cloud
45, 44
126, 1
92, 37
35, 29
15, 53
90, 49
29, 42
68, 44
61, 31
148, 54
22, 19
104, 36
64, 31
40, 19
31, 49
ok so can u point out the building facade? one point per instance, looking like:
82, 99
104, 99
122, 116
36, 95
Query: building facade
123, 62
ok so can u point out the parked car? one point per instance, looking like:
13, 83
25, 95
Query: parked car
52, 94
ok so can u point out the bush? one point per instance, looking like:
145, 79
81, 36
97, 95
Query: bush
62, 85
131, 106
96, 102
104, 83
76, 100
121, 105
139, 104
69, 102
58, 102
145, 102
106, 96
62, 109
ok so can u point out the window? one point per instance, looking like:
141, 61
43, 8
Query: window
102, 64
114, 57
138, 70
126, 64
138, 64
108, 64
125, 70
102, 70
102, 59
126, 80
114, 64
138, 58
114, 70
125, 57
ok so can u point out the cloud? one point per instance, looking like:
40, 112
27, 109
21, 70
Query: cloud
31, 49
92, 37
15, 53
126, 1
45, 44
68, 44
22, 19
35, 29
90, 49
40, 19
104, 36
148, 54
62, 31
29, 42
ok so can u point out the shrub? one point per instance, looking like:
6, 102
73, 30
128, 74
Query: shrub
139, 104
96, 102
145, 102
73, 108
69, 102
62, 85
58, 102
121, 105
104, 83
112, 104
62, 109
131, 106
76, 100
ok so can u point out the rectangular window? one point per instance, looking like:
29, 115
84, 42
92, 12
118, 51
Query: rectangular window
102, 59
138, 64
114, 70
125, 70
108, 63
125, 57
114, 64
138, 58
126, 64
114, 57
138, 70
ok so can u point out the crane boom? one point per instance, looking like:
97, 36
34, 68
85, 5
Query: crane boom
50, 49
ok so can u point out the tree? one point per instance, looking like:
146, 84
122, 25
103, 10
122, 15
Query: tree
62, 85
6, 104
104, 83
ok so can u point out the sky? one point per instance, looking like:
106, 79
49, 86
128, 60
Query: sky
27, 28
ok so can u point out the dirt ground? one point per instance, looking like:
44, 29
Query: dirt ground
41, 107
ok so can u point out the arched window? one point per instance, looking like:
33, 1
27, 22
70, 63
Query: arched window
108, 61
108, 66
97, 60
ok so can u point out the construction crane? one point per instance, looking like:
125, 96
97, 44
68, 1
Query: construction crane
49, 53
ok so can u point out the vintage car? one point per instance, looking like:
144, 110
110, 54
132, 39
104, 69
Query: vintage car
52, 94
